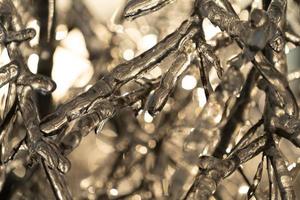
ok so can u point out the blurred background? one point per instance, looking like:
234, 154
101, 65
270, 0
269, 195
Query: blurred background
135, 156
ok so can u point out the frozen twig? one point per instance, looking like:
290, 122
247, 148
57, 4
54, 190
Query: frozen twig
213, 170
283, 178
137, 8
119, 76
